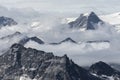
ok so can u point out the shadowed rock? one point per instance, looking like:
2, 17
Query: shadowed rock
88, 22
101, 68
39, 65
27, 39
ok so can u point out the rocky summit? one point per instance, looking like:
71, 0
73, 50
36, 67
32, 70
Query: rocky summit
105, 71
87, 22
20, 62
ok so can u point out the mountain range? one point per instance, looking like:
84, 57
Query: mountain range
20, 63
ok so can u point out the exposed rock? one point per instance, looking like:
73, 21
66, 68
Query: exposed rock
19, 61
101, 68
86, 22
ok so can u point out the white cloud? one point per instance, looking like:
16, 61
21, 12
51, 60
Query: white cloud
50, 30
73, 6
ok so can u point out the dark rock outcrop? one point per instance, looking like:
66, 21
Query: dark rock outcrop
39, 65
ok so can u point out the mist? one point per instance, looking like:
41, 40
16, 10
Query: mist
52, 29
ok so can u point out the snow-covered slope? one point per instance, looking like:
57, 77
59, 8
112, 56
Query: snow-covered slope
113, 19
86, 21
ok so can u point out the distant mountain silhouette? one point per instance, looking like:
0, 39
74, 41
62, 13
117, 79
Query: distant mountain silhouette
6, 21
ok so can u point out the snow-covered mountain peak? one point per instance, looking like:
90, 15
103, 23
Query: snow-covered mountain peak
113, 19
86, 21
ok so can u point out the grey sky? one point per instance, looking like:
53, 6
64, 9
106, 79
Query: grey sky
75, 6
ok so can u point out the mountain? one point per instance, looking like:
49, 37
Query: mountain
11, 35
6, 21
113, 19
27, 39
86, 22
68, 40
7, 41
65, 40
115, 66
20, 63
17, 37
101, 68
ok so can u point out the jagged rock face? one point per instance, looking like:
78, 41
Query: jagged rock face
102, 68
86, 22
5, 21
27, 39
39, 65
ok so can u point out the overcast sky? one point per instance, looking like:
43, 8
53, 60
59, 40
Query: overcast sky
76, 6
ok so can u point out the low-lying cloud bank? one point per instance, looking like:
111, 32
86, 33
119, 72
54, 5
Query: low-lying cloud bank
55, 31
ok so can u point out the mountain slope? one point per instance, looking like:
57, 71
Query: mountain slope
19, 61
103, 70
86, 22
5, 21
27, 39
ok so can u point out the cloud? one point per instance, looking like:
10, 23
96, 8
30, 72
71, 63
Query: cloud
19, 14
50, 29
73, 6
